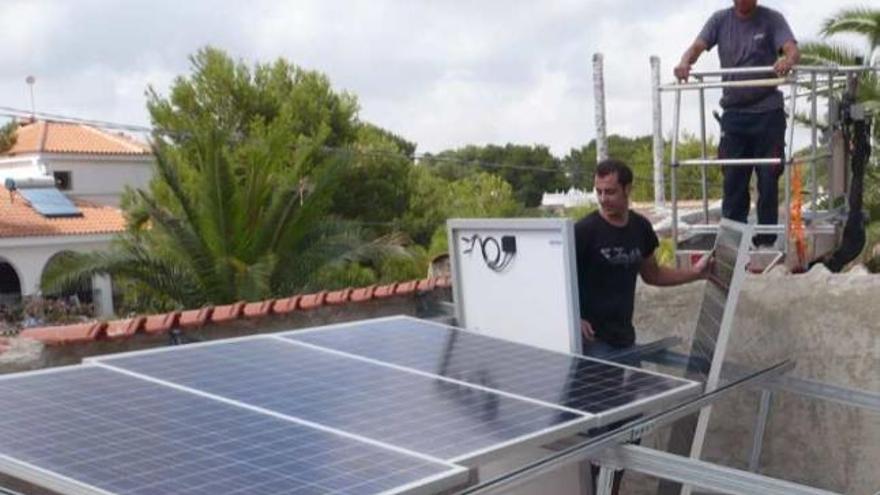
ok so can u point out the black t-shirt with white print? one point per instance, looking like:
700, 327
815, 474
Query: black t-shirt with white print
608, 261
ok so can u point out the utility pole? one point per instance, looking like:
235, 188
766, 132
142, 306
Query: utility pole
30, 80
659, 183
599, 103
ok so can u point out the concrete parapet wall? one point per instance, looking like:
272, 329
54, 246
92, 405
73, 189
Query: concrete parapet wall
830, 325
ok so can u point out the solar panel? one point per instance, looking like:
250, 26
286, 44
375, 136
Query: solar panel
607, 390
50, 202
92, 430
425, 414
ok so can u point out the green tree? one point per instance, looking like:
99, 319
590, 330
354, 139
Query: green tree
8, 136
374, 182
238, 209
864, 22
638, 153
530, 170
434, 199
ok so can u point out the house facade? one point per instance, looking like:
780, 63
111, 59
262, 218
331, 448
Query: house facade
91, 168
87, 163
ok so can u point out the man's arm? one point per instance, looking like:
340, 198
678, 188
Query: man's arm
691, 55
654, 274
790, 57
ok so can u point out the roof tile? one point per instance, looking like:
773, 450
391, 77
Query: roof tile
195, 318
227, 312
67, 334
405, 287
362, 293
59, 137
286, 305
124, 328
161, 323
338, 296
258, 309
312, 301
164, 322
384, 291
18, 219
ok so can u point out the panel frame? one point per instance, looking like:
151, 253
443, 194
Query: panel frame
564, 227
455, 476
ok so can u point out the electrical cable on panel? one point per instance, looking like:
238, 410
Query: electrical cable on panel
504, 251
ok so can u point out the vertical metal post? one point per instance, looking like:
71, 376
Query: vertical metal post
788, 156
814, 143
656, 99
605, 481
673, 166
703, 153
760, 428
599, 108
830, 162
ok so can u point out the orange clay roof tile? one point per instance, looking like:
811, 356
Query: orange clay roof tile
195, 318
18, 219
58, 137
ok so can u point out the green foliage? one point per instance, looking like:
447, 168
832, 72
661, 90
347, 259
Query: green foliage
340, 276
374, 183
7, 136
239, 206
580, 212
530, 170
434, 199
639, 155
665, 253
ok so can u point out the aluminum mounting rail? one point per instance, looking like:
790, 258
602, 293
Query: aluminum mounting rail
700, 474
505, 482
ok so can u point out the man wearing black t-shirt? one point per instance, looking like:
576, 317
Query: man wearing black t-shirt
613, 246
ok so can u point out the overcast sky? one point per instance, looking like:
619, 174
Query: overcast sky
441, 73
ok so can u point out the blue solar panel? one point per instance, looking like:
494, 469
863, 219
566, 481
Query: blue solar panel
123, 435
607, 390
50, 202
424, 414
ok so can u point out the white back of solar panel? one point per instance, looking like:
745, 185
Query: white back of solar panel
531, 300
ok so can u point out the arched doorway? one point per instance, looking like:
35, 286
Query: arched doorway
80, 295
10, 285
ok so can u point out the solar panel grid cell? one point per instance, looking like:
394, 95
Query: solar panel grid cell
583, 384
129, 436
423, 414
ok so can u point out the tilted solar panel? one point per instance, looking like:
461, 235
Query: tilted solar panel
91, 430
425, 414
607, 390
50, 202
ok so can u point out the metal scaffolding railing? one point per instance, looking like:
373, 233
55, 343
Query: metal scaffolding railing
819, 81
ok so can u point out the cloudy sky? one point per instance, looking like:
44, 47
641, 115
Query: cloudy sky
442, 73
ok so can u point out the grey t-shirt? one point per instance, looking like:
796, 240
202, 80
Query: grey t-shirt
752, 42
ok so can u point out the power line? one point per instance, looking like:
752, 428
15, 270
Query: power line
54, 117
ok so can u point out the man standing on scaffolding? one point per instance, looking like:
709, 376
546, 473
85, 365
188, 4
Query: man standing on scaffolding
753, 123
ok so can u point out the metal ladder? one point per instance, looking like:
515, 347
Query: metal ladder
823, 223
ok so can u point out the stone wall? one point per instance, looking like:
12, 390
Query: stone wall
830, 325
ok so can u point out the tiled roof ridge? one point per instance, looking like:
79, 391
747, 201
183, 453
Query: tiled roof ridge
91, 331
121, 140
51, 136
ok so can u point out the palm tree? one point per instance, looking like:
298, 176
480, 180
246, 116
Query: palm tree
213, 230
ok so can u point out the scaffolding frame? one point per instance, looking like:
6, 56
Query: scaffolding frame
820, 81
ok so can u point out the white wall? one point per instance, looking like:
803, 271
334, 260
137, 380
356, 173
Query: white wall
29, 255
101, 179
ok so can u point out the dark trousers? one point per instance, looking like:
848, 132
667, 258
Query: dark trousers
752, 135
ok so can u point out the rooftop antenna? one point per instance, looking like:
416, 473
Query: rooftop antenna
30, 80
